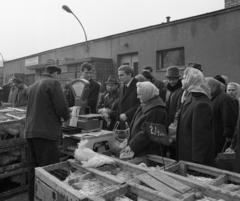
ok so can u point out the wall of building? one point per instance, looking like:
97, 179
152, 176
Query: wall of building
211, 39
231, 3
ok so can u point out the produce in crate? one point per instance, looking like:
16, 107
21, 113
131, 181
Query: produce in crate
122, 198
143, 165
72, 176
88, 157
201, 179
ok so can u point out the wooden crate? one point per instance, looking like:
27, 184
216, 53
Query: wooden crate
13, 182
153, 161
213, 188
135, 191
112, 171
13, 140
49, 182
176, 187
16, 157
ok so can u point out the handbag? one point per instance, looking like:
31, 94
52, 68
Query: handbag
225, 161
120, 138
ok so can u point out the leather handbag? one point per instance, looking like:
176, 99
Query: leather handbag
225, 161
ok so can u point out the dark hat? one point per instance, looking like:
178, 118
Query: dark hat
16, 80
220, 79
195, 65
172, 71
112, 80
147, 75
53, 68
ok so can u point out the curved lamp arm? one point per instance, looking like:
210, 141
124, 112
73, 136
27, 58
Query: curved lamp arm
67, 9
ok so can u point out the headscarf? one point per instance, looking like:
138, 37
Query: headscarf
147, 90
215, 86
140, 78
194, 81
238, 89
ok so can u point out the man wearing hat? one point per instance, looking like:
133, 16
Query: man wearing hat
94, 89
108, 103
45, 110
173, 97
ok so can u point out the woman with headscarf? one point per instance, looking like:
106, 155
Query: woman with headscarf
152, 109
233, 90
195, 136
225, 115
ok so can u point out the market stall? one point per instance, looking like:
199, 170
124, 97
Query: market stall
13, 159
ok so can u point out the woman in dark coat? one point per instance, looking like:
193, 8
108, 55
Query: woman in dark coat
225, 115
195, 135
152, 109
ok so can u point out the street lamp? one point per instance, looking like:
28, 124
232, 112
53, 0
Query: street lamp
2, 59
67, 9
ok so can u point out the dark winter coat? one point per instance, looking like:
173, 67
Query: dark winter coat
94, 90
173, 100
155, 112
236, 167
128, 102
195, 134
21, 98
46, 106
225, 119
109, 101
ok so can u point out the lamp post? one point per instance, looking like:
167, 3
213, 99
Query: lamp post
2, 59
67, 9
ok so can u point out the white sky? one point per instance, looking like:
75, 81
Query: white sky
31, 26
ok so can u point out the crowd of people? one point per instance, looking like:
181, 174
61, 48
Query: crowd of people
201, 113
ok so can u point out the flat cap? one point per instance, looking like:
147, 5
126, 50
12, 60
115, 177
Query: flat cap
53, 68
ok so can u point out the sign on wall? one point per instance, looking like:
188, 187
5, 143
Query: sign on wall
31, 61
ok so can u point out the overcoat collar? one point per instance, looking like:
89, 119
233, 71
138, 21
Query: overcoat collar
154, 102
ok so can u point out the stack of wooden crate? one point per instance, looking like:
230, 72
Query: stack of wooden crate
13, 161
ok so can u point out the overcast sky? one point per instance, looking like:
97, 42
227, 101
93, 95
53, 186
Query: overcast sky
31, 26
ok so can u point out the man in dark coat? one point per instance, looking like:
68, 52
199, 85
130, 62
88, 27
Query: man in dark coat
128, 101
46, 107
173, 100
86, 69
108, 103
174, 92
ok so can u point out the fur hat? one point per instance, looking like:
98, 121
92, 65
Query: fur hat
172, 71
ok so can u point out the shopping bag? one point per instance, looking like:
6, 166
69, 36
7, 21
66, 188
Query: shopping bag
120, 138
225, 161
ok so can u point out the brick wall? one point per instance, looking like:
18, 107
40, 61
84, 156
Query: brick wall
231, 3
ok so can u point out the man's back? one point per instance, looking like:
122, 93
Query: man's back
46, 107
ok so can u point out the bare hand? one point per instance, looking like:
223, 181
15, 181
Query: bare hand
123, 117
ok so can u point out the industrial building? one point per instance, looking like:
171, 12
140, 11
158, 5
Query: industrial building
211, 39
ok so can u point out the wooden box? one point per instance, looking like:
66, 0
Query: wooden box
119, 172
176, 187
13, 182
11, 140
214, 186
153, 161
50, 185
12, 158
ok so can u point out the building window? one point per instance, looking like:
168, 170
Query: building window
170, 57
